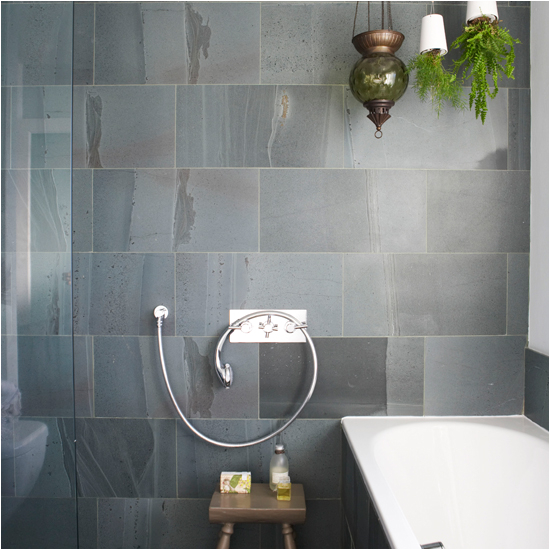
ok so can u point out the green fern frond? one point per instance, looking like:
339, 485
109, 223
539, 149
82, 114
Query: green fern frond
433, 81
487, 51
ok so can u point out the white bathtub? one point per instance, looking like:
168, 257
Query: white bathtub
468, 482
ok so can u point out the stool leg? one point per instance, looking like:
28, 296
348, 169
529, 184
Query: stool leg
225, 535
288, 536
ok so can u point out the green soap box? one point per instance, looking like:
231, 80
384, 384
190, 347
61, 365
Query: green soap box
235, 482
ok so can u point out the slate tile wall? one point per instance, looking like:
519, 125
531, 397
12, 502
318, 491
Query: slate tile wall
221, 162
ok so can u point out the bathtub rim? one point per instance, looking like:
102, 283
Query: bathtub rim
386, 504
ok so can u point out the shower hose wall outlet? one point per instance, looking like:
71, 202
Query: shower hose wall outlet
275, 326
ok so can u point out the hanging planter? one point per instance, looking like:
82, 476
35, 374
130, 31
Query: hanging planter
432, 80
487, 53
379, 78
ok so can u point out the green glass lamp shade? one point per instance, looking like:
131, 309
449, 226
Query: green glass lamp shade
378, 76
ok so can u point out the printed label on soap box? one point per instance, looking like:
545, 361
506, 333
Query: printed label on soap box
235, 482
277, 476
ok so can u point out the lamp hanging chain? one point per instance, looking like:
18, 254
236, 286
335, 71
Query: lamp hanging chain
355, 18
390, 23
432, 12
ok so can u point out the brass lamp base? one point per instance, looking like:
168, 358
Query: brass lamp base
379, 112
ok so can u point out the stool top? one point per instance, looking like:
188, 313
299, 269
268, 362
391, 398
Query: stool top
259, 506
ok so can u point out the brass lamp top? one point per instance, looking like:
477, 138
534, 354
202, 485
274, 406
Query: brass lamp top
384, 41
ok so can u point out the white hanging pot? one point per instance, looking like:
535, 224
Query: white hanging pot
432, 34
481, 9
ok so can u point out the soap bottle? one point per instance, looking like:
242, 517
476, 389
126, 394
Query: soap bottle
278, 467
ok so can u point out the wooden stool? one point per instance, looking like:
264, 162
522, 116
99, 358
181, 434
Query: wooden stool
260, 506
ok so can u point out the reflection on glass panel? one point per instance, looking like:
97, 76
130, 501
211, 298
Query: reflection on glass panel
38, 489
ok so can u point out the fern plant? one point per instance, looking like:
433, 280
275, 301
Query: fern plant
433, 81
487, 51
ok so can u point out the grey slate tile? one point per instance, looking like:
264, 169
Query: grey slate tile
83, 43
45, 375
519, 129
83, 375
474, 375
54, 523
175, 210
48, 291
177, 43
123, 127
342, 211
129, 380
160, 523
40, 127
415, 138
128, 458
117, 293
208, 285
36, 43
518, 294
482, 211
82, 208
421, 295
351, 378
259, 126
55, 478
536, 387
405, 376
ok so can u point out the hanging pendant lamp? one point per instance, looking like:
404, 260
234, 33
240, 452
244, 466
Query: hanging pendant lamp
379, 78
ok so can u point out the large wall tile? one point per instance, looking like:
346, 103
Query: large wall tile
36, 43
175, 210
45, 367
518, 294
405, 376
5, 131
519, 129
259, 126
478, 211
329, 55
415, 295
129, 380
82, 210
36, 210
177, 43
83, 43
41, 127
42, 299
163, 523
474, 376
536, 387
117, 293
126, 458
83, 372
209, 285
53, 480
415, 138
351, 378
53, 524
123, 127
342, 211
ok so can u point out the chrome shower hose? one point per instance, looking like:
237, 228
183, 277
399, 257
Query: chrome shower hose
161, 313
